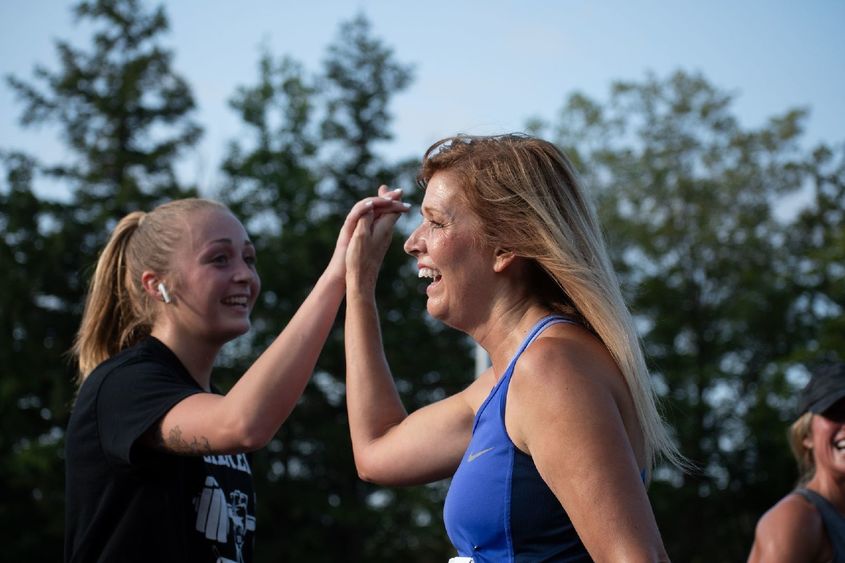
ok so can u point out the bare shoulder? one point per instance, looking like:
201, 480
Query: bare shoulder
570, 358
560, 382
792, 530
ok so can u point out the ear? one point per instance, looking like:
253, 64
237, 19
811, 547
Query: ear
807, 441
504, 258
150, 281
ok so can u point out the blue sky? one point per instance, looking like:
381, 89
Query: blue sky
480, 67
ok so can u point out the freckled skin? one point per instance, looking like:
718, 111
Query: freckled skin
447, 240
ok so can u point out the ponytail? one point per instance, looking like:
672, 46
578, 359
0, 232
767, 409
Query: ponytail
118, 312
110, 321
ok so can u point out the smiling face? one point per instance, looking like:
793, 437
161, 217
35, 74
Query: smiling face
827, 440
214, 284
449, 251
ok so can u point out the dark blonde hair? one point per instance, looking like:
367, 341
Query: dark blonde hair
118, 312
798, 432
528, 198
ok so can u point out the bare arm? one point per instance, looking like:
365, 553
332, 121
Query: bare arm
248, 416
790, 532
391, 447
562, 409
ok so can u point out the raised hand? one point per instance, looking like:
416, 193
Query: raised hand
387, 203
367, 247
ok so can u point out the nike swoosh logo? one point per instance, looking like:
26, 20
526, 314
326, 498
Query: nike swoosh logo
472, 457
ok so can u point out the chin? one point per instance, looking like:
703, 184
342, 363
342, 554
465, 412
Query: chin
236, 332
444, 318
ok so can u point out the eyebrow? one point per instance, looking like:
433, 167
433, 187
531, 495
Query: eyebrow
247, 242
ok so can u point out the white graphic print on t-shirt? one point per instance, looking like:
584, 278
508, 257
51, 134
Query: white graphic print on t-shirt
217, 516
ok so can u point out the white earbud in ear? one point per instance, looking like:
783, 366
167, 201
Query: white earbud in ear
163, 291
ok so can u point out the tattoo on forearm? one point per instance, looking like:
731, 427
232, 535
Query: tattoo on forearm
199, 445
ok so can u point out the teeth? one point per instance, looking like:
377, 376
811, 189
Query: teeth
840, 444
237, 300
428, 273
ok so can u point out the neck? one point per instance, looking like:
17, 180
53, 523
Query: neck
505, 328
196, 355
831, 487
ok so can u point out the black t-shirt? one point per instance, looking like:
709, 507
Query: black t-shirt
129, 502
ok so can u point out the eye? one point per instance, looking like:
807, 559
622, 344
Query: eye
435, 224
220, 259
250, 259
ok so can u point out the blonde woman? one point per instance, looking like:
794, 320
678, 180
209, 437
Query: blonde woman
155, 458
549, 450
808, 525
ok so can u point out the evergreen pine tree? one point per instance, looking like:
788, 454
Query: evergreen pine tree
124, 116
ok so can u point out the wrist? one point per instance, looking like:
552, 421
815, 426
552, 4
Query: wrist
356, 290
333, 280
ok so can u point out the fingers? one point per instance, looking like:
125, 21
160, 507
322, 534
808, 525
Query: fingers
382, 227
388, 203
367, 247
365, 224
387, 193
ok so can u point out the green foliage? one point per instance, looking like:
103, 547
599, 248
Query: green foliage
35, 389
309, 155
123, 114
121, 109
816, 241
732, 290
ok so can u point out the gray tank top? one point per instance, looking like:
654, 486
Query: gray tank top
834, 522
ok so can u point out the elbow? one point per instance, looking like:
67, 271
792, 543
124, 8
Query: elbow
251, 443
249, 437
366, 477
365, 473
366, 469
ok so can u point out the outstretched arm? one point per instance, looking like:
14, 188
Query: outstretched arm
390, 447
248, 416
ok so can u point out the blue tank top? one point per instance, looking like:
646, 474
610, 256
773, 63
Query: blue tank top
498, 508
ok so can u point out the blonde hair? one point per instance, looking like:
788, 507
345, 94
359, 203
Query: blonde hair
118, 312
798, 432
527, 195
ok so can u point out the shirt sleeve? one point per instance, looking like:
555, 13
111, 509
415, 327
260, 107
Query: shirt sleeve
131, 400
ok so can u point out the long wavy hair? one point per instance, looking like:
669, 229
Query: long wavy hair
530, 202
118, 312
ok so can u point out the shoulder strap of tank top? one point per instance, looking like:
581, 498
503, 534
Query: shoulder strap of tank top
536, 331
834, 522
499, 392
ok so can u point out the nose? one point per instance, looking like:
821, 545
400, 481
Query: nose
245, 272
247, 276
412, 245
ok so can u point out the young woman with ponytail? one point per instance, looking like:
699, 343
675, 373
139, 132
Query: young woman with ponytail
551, 448
155, 459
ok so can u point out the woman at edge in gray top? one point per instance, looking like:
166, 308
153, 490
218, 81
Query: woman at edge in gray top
808, 525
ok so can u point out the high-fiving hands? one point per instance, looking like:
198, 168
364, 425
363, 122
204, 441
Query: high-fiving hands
386, 204
371, 237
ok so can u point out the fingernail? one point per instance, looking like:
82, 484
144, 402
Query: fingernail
397, 190
387, 197
369, 203
406, 205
